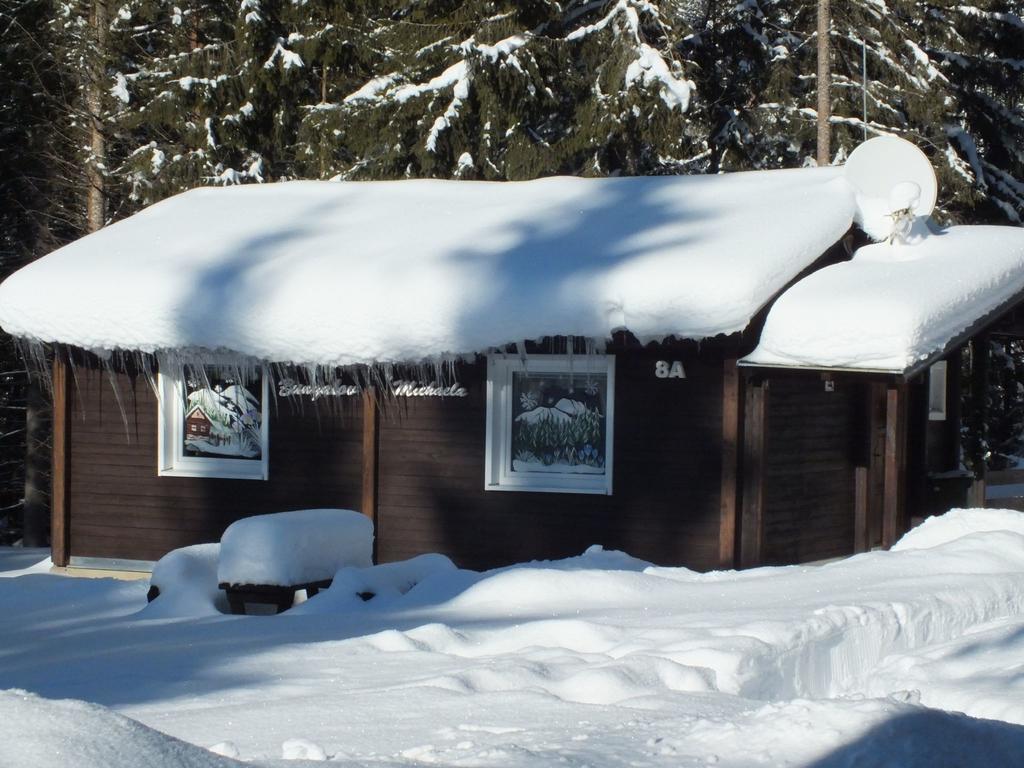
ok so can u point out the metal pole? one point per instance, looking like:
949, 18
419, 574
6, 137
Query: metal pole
864, 83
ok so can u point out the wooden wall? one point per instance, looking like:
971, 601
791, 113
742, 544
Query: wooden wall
430, 497
667, 464
120, 508
815, 439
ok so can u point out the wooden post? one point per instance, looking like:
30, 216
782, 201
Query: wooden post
755, 429
876, 461
730, 464
980, 353
60, 523
894, 504
954, 415
976, 493
861, 531
371, 435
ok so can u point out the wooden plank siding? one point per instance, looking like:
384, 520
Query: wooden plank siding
732, 424
429, 496
894, 516
666, 502
814, 444
121, 508
755, 441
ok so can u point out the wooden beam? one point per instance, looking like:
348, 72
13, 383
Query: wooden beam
980, 362
729, 504
755, 429
60, 523
876, 460
861, 529
954, 416
976, 493
371, 436
894, 504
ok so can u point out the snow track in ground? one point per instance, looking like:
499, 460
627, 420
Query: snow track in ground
599, 660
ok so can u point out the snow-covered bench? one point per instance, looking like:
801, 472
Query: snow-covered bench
268, 558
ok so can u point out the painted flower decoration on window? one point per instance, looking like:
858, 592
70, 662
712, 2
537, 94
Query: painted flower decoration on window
528, 401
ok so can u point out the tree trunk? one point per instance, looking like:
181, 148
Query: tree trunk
824, 83
36, 520
96, 200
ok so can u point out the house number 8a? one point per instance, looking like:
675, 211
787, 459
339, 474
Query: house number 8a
663, 369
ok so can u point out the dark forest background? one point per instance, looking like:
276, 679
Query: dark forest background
108, 106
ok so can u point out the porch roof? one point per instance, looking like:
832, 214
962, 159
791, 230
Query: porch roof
894, 308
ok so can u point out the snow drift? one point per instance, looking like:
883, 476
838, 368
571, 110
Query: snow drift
40, 733
186, 583
600, 659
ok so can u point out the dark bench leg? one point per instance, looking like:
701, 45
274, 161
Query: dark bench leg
285, 601
282, 598
236, 602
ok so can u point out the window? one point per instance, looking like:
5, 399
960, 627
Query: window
549, 424
937, 391
213, 423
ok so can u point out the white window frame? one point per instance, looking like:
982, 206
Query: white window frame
171, 458
937, 391
497, 463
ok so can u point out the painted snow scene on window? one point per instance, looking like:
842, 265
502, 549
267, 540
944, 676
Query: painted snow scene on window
223, 416
559, 422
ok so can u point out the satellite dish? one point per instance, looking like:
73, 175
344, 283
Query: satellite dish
895, 185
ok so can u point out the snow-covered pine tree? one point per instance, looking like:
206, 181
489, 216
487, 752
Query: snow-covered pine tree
504, 90
342, 44
30, 193
208, 94
81, 58
752, 61
945, 75
224, 91
978, 49
1005, 434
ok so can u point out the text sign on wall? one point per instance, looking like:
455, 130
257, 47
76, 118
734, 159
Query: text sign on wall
664, 369
397, 388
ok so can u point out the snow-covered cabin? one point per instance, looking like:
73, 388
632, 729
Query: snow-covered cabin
507, 371
197, 423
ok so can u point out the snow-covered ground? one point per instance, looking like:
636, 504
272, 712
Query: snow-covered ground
599, 660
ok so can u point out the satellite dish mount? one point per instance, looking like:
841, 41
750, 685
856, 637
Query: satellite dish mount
895, 187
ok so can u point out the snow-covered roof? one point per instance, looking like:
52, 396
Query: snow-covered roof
896, 305
339, 273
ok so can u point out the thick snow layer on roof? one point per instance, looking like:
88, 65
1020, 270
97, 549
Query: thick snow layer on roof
894, 305
358, 272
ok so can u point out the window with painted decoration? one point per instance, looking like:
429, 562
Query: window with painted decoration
550, 423
213, 423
